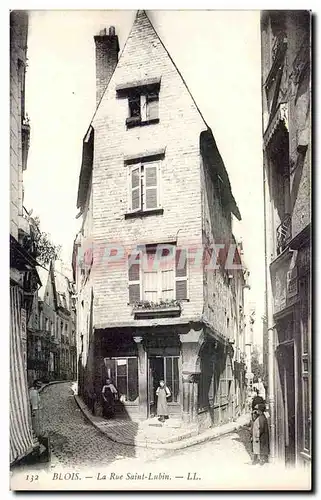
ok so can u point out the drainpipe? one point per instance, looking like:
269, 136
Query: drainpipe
268, 237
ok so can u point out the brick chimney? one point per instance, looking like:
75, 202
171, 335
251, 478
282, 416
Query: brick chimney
107, 48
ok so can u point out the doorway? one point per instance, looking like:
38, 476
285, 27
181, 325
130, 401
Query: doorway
287, 372
163, 368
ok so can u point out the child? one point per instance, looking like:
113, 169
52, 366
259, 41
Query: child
162, 394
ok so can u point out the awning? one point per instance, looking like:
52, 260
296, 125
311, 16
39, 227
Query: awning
281, 115
22, 441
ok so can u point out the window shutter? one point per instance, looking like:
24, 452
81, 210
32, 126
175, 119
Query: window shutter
135, 188
151, 186
143, 107
152, 107
181, 274
134, 279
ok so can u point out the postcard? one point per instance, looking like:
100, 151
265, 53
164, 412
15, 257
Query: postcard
160, 211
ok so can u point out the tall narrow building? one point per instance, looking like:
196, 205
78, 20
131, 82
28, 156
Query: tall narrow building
286, 98
154, 196
24, 278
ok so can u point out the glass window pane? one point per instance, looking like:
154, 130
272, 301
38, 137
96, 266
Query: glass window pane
134, 106
134, 293
135, 178
121, 367
135, 199
122, 386
132, 379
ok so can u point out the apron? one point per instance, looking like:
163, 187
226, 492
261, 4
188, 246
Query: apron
162, 408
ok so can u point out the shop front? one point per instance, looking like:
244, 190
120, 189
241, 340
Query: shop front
136, 365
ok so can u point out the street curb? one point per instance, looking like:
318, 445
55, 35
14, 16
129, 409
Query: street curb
208, 435
54, 382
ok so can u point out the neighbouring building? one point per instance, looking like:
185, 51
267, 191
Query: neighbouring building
247, 311
154, 196
286, 97
52, 327
24, 279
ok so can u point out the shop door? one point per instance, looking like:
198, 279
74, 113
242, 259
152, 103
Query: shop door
163, 368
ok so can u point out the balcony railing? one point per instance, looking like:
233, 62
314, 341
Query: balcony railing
283, 234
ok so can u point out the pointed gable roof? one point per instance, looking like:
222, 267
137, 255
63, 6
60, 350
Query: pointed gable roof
43, 275
144, 31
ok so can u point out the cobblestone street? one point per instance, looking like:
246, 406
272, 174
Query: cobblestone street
78, 446
75, 442
73, 439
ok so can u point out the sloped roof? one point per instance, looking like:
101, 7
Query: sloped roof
87, 158
43, 275
62, 276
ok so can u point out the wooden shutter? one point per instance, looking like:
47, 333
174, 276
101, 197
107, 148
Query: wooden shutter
134, 174
151, 186
143, 107
167, 270
151, 278
181, 274
134, 279
152, 106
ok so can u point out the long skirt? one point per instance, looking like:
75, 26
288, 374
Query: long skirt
109, 405
162, 408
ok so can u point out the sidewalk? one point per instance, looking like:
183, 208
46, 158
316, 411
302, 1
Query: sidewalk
173, 435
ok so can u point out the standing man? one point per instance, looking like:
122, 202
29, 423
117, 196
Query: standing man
35, 407
260, 436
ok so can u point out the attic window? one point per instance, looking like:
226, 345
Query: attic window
134, 107
142, 108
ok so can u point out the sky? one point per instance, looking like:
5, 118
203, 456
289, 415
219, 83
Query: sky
218, 54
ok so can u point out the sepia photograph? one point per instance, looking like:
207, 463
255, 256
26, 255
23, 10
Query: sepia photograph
160, 250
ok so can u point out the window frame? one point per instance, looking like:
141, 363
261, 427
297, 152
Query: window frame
159, 285
142, 166
118, 358
171, 386
139, 259
144, 96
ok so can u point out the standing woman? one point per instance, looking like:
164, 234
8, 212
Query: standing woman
109, 394
162, 394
